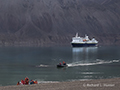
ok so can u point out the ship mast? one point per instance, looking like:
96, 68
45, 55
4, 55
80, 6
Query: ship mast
76, 35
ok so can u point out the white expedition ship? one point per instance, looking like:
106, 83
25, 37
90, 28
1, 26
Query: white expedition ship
83, 42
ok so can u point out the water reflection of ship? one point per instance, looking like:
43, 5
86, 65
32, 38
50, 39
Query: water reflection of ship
85, 53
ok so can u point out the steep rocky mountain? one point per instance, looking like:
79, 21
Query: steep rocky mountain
55, 22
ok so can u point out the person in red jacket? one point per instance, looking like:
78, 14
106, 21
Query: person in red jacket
59, 63
22, 82
64, 63
18, 83
26, 80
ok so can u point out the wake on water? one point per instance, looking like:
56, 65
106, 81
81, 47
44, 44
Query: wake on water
75, 64
97, 62
42, 65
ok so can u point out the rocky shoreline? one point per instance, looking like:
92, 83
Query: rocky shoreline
99, 84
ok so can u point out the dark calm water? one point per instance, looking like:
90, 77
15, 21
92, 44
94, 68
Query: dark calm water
39, 63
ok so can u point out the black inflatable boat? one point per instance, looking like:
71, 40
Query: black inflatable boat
61, 66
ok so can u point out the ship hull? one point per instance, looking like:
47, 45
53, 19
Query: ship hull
84, 44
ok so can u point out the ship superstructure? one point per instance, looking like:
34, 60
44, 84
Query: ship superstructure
78, 41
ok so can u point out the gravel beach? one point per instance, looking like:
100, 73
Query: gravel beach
99, 84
